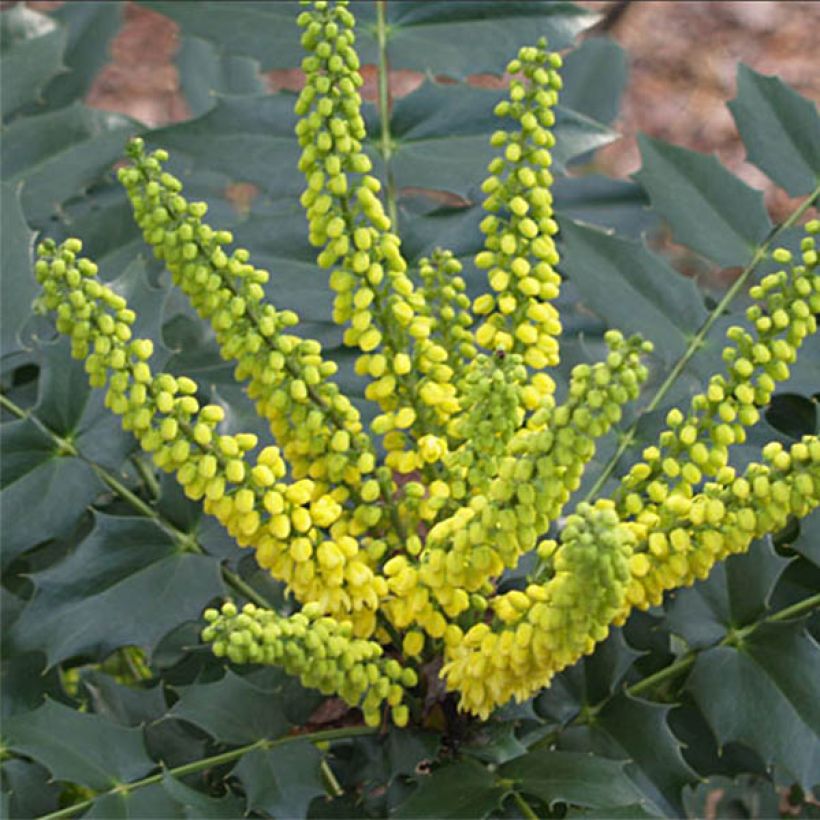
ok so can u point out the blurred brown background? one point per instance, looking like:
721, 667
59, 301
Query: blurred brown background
683, 58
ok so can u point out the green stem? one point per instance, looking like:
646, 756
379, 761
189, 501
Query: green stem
185, 540
685, 663
384, 112
524, 806
695, 344
215, 760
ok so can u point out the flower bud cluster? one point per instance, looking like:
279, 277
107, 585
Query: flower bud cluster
386, 315
489, 458
318, 427
688, 536
320, 650
519, 251
696, 446
541, 630
295, 528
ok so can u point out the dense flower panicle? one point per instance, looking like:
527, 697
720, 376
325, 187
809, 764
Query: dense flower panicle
684, 540
696, 446
519, 251
481, 457
322, 651
318, 427
376, 298
541, 630
292, 525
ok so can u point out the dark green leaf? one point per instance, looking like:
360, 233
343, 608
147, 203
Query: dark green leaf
29, 786
90, 27
735, 594
460, 790
126, 705
794, 415
79, 748
572, 777
26, 682
282, 781
808, 542
42, 494
634, 288
637, 730
456, 39
32, 53
17, 284
780, 129
708, 208
166, 800
441, 135
763, 693
205, 72
125, 584
594, 76
233, 710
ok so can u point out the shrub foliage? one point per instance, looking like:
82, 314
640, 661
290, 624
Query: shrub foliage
557, 567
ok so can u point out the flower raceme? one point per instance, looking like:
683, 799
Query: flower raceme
395, 560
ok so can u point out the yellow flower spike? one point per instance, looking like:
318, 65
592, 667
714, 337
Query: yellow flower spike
488, 457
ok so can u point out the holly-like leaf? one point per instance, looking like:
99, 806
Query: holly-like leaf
205, 72
233, 710
707, 207
780, 129
89, 27
634, 288
282, 781
29, 787
77, 747
762, 692
127, 583
594, 77
461, 790
808, 542
572, 777
17, 284
735, 594
455, 39
168, 799
441, 135
31, 53
634, 729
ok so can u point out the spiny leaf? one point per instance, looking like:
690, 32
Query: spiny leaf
461, 790
205, 71
594, 77
32, 53
634, 288
233, 710
30, 789
572, 777
708, 208
79, 748
762, 692
808, 542
456, 39
282, 781
126, 583
441, 136
735, 594
90, 27
17, 285
780, 129
637, 730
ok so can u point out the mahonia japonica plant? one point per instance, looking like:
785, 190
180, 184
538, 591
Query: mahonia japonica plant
393, 539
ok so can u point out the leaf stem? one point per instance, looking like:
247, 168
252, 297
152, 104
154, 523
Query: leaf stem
386, 145
524, 806
685, 663
185, 540
761, 252
264, 744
